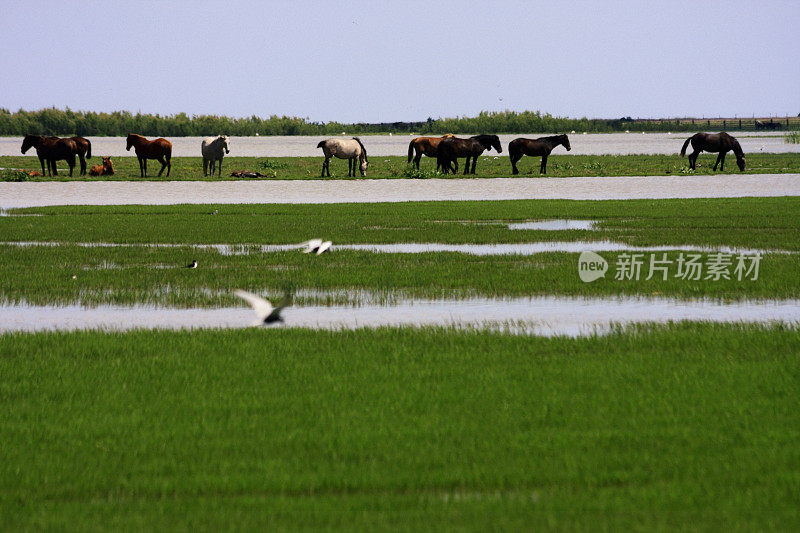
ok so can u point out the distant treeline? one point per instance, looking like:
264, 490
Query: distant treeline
60, 122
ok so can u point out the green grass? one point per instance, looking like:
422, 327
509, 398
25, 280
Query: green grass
489, 165
664, 428
792, 138
143, 274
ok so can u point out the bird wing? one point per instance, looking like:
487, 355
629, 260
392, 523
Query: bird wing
261, 306
312, 245
286, 301
324, 247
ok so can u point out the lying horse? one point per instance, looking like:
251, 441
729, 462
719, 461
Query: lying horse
535, 147
106, 169
713, 142
350, 149
213, 150
159, 149
452, 148
428, 146
51, 149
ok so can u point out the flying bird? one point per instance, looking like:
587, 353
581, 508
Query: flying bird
193, 264
317, 246
263, 308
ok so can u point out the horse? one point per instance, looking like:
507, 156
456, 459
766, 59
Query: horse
452, 148
351, 149
714, 142
159, 149
425, 146
212, 150
106, 169
51, 149
535, 147
84, 151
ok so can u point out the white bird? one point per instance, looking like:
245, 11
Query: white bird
263, 308
316, 246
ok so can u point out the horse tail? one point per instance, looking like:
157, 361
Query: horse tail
88, 148
363, 150
410, 151
685, 144
321, 144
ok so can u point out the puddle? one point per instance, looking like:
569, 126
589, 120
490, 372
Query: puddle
529, 248
546, 316
555, 225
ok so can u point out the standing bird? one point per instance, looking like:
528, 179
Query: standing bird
263, 308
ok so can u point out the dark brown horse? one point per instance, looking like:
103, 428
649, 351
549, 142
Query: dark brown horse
713, 142
51, 149
535, 147
84, 150
428, 146
452, 148
159, 149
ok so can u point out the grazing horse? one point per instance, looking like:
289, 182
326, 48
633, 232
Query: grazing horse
713, 142
350, 149
159, 149
452, 148
425, 146
212, 150
106, 169
52, 149
535, 147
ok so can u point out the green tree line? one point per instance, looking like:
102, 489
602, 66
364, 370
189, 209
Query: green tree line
52, 121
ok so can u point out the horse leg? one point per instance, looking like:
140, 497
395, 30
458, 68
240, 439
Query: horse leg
219, 175
474, 163
719, 158
53, 167
163, 162
169, 163
418, 157
205, 167
693, 159
44, 172
514, 158
71, 163
351, 163
83, 164
543, 168
722, 161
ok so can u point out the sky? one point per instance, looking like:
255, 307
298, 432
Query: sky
374, 61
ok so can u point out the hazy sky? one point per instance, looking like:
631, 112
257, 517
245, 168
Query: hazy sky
378, 61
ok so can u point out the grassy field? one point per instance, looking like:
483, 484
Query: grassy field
131, 274
558, 165
676, 427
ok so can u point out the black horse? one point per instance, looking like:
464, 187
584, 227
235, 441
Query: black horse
451, 148
713, 142
535, 147
51, 150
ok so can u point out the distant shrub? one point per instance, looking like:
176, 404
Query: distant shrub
10, 174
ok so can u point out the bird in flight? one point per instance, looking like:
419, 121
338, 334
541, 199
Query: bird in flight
263, 308
317, 246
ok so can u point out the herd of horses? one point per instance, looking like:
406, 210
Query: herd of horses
447, 150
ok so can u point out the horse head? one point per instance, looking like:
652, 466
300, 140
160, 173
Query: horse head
489, 141
108, 166
225, 141
130, 140
495, 141
740, 161
28, 141
566, 142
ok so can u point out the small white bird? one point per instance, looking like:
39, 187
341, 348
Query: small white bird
263, 308
317, 246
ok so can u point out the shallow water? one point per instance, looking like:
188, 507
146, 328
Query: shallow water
547, 316
555, 225
36, 194
397, 145
524, 248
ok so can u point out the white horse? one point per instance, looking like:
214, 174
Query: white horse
350, 149
211, 149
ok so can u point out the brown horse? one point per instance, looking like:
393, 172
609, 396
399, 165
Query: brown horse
713, 142
159, 149
428, 146
535, 147
84, 150
452, 148
51, 149
106, 169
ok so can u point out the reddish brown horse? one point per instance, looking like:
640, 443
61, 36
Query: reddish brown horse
535, 147
51, 149
454, 147
713, 142
84, 150
428, 146
106, 169
159, 149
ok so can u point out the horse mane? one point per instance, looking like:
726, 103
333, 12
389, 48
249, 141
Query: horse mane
737, 148
364, 150
552, 137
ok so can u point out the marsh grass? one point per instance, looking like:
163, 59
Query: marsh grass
684, 426
792, 138
559, 165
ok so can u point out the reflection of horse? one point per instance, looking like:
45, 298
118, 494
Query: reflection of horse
212, 150
713, 142
106, 169
350, 149
428, 146
51, 149
159, 149
452, 148
535, 147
